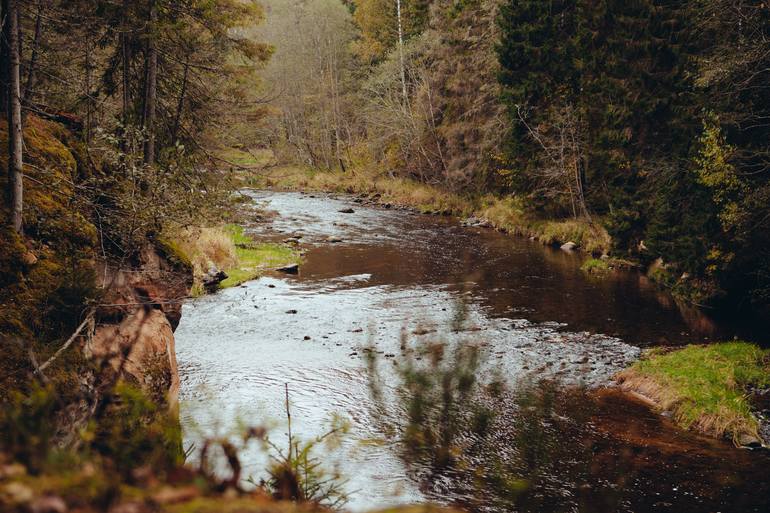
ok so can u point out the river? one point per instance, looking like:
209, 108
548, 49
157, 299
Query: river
374, 274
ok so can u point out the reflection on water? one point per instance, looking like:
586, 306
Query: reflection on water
531, 308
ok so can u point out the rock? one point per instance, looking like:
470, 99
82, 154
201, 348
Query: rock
12, 470
169, 495
48, 504
17, 492
346, 211
333, 240
306, 337
212, 279
29, 258
289, 269
291, 311
146, 338
568, 246
388, 205
749, 441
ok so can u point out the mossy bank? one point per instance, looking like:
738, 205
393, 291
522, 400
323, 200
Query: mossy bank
705, 388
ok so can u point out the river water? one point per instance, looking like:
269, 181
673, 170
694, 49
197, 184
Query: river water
375, 275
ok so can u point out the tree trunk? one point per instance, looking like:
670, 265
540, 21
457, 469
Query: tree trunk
15, 141
180, 105
401, 50
151, 89
33, 56
126, 71
4, 56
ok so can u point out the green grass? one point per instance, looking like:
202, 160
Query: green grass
595, 266
704, 387
254, 258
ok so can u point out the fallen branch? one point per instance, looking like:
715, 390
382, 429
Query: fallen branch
89, 318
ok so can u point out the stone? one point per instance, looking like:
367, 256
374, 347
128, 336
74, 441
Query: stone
346, 211
48, 504
291, 311
749, 441
18, 492
289, 269
212, 279
568, 246
29, 258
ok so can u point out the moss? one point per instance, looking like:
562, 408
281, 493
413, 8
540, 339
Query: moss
47, 274
174, 254
704, 387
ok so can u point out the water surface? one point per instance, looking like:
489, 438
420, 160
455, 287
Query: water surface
371, 276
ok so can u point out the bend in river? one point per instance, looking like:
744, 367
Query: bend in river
370, 275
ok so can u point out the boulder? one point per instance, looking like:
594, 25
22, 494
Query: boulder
346, 211
749, 441
212, 279
568, 246
289, 269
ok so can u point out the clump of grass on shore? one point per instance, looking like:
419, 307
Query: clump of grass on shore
228, 248
595, 266
704, 387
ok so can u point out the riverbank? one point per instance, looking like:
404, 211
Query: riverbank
224, 256
704, 388
504, 214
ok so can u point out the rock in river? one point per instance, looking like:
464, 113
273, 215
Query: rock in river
212, 279
289, 269
346, 211
568, 246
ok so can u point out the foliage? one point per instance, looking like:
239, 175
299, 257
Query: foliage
299, 474
704, 386
638, 79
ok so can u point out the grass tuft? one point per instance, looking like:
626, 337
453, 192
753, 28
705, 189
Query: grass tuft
704, 387
595, 266
230, 249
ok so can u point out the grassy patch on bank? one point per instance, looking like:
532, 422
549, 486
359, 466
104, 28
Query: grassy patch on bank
505, 214
704, 387
229, 249
253, 258
595, 266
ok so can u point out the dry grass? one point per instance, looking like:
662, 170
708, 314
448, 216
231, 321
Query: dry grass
704, 387
229, 249
505, 214
207, 247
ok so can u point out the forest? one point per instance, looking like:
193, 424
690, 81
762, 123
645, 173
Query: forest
491, 225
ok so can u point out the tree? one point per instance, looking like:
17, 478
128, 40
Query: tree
10, 34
